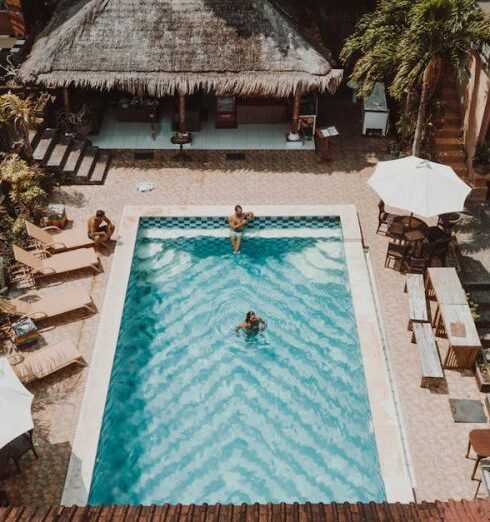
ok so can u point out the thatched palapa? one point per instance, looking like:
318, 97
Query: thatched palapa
162, 47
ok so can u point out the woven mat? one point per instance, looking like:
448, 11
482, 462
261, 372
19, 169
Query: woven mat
465, 410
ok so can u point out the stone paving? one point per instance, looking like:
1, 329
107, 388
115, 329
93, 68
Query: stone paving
436, 444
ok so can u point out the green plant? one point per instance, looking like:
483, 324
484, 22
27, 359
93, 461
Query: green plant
473, 307
21, 115
481, 159
404, 43
484, 371
24, 196
407, 123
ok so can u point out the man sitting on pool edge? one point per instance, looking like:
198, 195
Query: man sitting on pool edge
237, 222
252, 324
97, 230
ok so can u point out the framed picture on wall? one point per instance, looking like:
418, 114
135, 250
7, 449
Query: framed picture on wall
307, 124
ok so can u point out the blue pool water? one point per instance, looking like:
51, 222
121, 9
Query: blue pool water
196, 413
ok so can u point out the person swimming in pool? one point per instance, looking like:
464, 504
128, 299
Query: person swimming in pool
252, 324
237, 222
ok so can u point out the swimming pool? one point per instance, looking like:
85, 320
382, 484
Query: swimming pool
197, 413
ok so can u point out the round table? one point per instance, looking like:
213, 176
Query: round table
412, 222
406, 228
181, 139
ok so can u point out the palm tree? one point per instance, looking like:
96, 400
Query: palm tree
21, 114
406, 43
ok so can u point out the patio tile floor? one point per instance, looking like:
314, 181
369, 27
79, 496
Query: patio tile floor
436, 444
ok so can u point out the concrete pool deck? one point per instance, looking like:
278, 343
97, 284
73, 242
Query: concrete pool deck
436, 444
394, 470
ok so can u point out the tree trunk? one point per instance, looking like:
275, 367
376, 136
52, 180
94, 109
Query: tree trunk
424, 98
24, 131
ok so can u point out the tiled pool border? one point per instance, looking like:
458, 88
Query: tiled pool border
387, 432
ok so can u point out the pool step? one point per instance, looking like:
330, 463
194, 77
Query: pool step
45, 145
101, 167
73, 160
75, 157
60, 153
86, 164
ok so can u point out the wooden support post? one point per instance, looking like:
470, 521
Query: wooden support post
296, 111
66, 99
181, 112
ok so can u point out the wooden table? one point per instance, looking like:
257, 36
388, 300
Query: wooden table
443, 283
412, 222
181, 139
414, 235
463, 350
480, 440
406, 228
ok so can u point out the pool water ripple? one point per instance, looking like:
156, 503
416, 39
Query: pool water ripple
197, 413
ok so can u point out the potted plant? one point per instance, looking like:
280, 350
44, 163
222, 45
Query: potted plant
481, 159
482, 371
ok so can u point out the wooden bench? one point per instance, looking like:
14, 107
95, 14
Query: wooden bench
430, 362
417, 303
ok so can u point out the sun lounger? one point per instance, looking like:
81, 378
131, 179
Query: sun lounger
45, 361
37, 307
62, 240
58, 263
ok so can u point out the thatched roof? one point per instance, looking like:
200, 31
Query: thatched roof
163, 46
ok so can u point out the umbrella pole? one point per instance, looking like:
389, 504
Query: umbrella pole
410, 220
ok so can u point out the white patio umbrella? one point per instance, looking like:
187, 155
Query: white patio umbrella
419, 186
15, 405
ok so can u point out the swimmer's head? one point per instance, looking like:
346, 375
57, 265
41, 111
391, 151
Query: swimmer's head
238, 210
251, 317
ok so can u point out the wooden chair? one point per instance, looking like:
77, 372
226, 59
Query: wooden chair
448, 221
415, 265
396, 254
385, 219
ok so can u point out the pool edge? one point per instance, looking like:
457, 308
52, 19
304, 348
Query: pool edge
387, 432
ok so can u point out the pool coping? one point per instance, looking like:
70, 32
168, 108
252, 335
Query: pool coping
398, 487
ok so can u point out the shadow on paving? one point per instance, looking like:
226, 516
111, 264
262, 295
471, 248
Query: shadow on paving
475, 228
40, 481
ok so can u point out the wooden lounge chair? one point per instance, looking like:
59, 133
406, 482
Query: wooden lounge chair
37, 307
58, 263
62, 240
46, 360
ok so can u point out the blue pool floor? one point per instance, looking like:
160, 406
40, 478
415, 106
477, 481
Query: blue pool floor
197, 413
